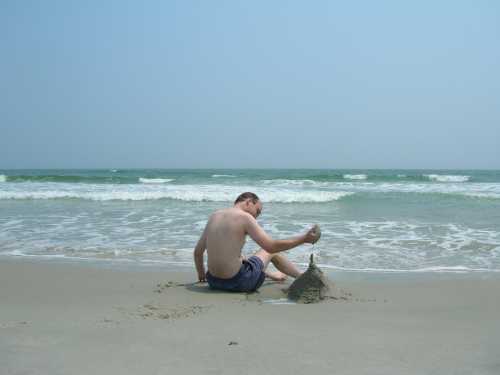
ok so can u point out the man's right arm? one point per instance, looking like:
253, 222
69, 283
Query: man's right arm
271, 245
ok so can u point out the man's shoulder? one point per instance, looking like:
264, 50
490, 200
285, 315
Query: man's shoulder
231, 214
231, 211
221, 212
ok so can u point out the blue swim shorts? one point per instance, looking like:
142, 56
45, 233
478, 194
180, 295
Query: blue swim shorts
248, 279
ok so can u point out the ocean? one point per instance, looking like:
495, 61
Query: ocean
371, 220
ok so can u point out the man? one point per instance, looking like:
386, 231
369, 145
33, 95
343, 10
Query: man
224, 237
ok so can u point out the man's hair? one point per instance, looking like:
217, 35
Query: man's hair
247, 195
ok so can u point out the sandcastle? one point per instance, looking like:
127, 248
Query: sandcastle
312, 286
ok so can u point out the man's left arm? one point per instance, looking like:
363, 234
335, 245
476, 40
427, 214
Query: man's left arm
199, 250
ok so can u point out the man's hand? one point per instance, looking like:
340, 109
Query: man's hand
313, 235
202, 278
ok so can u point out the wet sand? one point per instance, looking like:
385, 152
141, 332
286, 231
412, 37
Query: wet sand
69, 318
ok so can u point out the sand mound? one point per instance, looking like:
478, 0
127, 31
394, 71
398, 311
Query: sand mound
313, 286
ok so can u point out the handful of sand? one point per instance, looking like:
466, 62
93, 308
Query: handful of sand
316, 231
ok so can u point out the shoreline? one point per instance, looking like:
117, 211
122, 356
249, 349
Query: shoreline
60, 318
136, 265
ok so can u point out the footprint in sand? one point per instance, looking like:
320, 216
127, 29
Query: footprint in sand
160, 312
160, 287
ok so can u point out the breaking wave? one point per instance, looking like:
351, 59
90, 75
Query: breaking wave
155, 180
190, 193
298, 182
447, 178
355, 176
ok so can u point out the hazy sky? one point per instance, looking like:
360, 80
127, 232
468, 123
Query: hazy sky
320, 84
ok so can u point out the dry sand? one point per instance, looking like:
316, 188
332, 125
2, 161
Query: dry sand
80, 319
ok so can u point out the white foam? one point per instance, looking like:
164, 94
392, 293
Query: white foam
193, 193
355, 176
286, 182
155, 180
16, 253
3, 178
447, 178
437, 269
279, 301
222, 175
479, 190
303, 196
386, 246
485, 190
393, 246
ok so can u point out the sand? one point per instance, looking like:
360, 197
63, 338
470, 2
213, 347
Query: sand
69, 318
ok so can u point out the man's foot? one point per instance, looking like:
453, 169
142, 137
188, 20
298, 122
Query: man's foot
276, 276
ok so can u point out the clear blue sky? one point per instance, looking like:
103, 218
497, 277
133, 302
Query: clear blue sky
320, 84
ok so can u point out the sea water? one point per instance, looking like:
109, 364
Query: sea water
371, 220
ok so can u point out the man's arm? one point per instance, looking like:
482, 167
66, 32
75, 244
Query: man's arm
275, 246
199, 250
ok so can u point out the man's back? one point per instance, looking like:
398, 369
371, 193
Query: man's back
225, 233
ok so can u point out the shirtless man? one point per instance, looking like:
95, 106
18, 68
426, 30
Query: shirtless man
224, 237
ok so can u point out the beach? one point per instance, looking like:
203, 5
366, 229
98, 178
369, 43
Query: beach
97, 273
62, 317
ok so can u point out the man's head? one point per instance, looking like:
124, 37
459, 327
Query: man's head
249, 202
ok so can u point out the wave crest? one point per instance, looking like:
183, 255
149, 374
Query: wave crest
355, 176
297, 182
447, 178
155, 180
188, 193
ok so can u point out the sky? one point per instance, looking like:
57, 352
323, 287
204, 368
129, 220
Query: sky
250, 84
